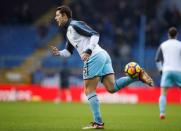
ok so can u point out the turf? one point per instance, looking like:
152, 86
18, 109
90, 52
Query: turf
22, 116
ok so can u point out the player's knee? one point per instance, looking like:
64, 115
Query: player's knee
110, 87
163, 91
88, 91
111, 90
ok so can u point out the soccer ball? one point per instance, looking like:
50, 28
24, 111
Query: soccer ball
132, 69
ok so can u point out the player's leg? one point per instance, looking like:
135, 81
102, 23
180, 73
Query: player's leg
68, 94
145, 78
113, 85
177, 78
58, 99
108, 79
92, 70
162, 102
90, 91
166, 81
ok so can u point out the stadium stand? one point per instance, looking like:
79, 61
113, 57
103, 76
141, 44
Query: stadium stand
21, 36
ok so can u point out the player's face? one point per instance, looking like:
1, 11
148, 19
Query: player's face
60, 19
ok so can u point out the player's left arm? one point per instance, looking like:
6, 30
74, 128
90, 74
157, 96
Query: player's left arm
84, 30
159, 59
93, 42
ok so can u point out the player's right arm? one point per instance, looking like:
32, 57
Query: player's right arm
159, 59
67, 52
83, 29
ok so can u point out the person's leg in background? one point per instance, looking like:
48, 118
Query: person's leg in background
162, 102
166, 82
168, 79
58, 97
178, 81
68, 95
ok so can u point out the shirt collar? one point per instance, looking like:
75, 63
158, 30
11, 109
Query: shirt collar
68, 23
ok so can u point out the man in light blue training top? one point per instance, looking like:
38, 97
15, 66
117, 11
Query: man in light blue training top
168, 60
97, 62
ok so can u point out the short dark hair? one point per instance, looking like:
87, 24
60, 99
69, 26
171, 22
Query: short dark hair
65, 10
172, 32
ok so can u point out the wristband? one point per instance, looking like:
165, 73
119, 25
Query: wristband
88, 51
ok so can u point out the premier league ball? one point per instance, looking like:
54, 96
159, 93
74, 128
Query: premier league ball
132, 69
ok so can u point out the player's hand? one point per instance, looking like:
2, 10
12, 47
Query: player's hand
85, 56
54, 50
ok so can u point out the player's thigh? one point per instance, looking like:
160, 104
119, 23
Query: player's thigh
108, 81
166, 80
94, 66
163, 91
91, 84
177, 78
108, 74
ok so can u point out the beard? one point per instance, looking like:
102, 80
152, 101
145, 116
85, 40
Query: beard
61, 24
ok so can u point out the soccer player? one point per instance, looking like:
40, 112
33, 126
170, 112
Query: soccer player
97, 62
168, 60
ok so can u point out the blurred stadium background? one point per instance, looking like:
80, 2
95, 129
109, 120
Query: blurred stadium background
131, 30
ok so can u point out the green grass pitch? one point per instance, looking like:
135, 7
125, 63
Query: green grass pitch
27, 116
